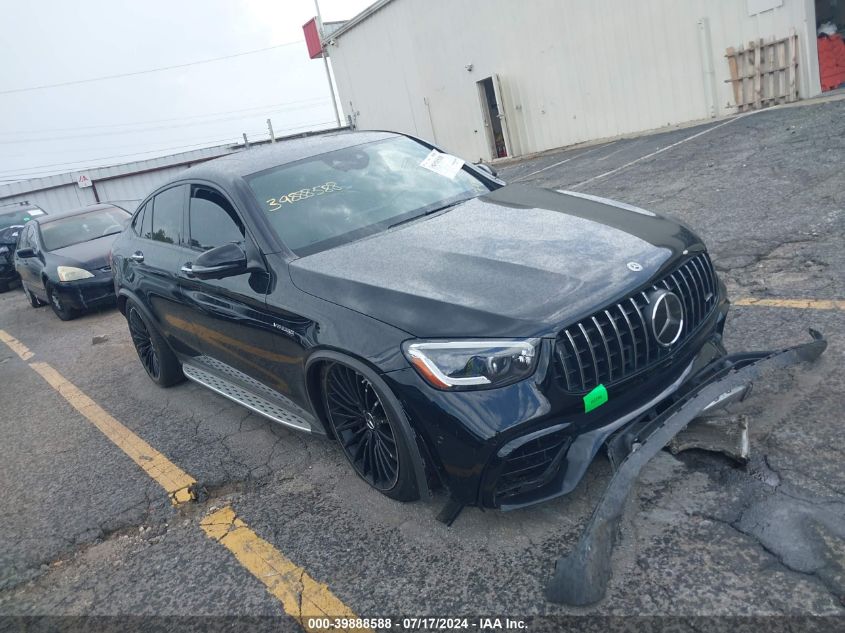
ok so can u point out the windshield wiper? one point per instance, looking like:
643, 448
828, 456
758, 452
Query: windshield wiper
429, 212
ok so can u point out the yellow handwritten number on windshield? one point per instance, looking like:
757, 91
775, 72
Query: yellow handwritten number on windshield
274, 204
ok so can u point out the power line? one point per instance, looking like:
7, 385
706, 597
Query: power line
262, 113
69, 164
170, 139
36, 171
179, 118
145, 72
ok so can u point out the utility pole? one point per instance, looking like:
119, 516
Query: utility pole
326, 62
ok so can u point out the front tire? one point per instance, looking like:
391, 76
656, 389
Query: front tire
62, 310
370, 431
155, 354
34, 301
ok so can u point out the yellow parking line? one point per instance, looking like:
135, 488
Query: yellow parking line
15, 345
169, 476
302, 597
811, 304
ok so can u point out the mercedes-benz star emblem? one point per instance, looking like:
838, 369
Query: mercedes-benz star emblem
635, 266
666, 315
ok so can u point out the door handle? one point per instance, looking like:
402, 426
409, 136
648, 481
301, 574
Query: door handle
188, 269
137, 256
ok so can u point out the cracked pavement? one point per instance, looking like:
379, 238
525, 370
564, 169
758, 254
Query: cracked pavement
84, 531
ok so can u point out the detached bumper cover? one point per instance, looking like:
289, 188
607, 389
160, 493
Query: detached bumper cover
581, 577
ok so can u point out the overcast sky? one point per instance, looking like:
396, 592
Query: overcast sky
59, 129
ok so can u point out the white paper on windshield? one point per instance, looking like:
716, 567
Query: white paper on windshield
443, 164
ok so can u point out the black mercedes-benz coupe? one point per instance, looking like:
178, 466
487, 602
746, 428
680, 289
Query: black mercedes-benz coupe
446, 328
63, 259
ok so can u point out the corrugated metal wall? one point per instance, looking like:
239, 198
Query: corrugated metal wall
70, 196
570, 71
135, 186
53, 200
129, 181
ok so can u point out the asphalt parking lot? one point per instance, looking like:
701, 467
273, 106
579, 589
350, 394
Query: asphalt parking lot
85, 531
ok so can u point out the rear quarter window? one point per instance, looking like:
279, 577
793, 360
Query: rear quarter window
137, 222
165, 225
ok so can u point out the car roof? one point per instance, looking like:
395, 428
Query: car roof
44, 219
244, 163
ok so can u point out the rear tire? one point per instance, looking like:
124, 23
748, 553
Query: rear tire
155, 354
370, 431
64, 312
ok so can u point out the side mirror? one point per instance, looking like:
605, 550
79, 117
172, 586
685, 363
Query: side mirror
487, 168
227, 260
24, 253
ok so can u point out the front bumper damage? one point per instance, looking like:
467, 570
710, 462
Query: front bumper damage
87, 294
580, 578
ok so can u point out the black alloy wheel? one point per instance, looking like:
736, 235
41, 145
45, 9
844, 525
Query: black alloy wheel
363, 426
159, 361
144, 344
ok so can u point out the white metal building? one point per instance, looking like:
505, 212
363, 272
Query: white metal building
127, 182
118, 183
487, 78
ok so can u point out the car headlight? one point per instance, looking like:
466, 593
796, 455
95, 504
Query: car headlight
473, 364
69, 273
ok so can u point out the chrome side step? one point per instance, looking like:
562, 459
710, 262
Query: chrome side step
246, 398
230, 374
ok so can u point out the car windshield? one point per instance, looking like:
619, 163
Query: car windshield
83, 227
333, 198
18, 217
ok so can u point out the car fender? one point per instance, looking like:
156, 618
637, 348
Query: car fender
126, 295
413, 439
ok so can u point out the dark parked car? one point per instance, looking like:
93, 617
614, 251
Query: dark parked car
63, 260
11, 223
444, 327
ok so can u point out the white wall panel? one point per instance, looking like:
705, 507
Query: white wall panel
570, 71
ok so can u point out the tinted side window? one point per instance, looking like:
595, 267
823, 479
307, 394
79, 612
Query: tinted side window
147, 221
139, 220
23, 238
32, 236
212, 220
167, 216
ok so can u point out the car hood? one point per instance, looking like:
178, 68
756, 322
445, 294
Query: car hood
89, 255
518, 261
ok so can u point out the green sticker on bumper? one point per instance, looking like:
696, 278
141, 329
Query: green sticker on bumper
595, 398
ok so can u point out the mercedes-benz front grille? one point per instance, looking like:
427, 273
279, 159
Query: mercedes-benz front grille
617, 342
